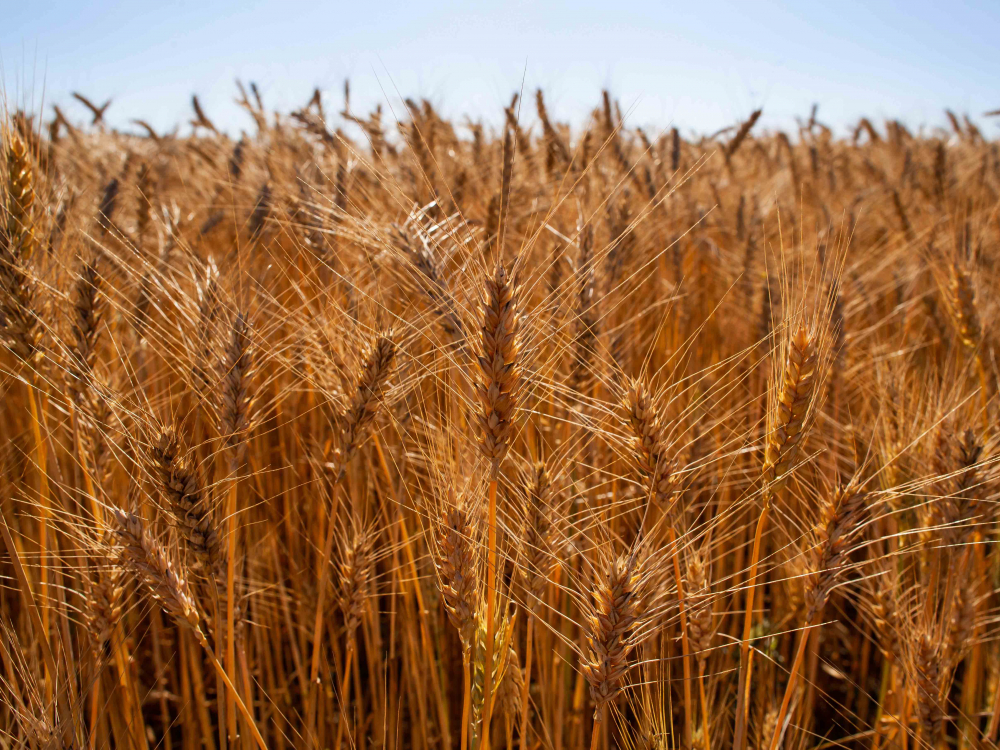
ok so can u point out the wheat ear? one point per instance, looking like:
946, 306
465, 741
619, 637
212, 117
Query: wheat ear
354, 571
499, 391
610, 627
961, 298
20, 322
585, 318
235, 411
456, 566
791, 407
188, 503
742, 133
927, 678
455, 561
649, 443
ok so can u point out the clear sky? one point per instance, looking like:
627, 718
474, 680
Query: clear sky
699, 65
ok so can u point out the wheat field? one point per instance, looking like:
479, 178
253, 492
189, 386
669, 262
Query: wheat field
382, 430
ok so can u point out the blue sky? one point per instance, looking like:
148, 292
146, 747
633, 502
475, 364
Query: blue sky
698, 65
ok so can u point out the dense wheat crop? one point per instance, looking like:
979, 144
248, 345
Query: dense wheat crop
388, 431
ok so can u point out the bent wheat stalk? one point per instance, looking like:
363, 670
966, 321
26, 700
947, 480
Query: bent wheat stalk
148, 561
367, 398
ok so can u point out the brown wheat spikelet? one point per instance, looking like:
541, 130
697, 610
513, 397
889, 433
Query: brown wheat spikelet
103, 610
106, 209
456, 567
236, 380
767, 727
536, 538
143, 556
501, 381
86, 315
209, 309
649, 441
793, 401
511, 686
962, 305
20, 322
927, 677
609, 627
188, 502
699, 608
234, 166
585, 319
742, 133
19, 226
368, 394
556, 153
832, 535
354, 570
959, 509
261, 212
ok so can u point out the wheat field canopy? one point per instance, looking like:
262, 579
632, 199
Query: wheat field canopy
384, 430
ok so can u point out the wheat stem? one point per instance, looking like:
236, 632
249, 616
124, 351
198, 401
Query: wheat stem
790, 686
41, 456
231, 604
36, 621
318, 625
527, 680
704, 707
240, 705
424, 635
345, 694
491, 567
595, 734
466, 696
685, 647
742, 702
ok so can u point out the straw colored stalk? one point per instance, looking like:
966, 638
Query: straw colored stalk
366, 399
833, 536
536, 543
